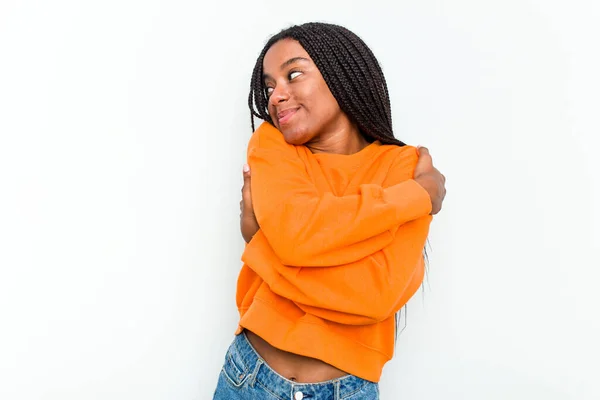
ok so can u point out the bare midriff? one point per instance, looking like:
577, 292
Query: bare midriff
292, 366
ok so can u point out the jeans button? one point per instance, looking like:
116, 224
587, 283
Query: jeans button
298, 396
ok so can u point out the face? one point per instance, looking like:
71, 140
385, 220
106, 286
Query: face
300, 103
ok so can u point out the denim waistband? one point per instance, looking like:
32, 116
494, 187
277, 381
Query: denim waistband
253, 368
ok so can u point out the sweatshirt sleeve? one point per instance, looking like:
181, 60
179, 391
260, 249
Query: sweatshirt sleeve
358, 292
363, 292
310, 229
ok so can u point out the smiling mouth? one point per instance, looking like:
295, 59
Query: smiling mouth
284, 116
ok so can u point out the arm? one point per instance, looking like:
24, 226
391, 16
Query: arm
362, 292
308, 228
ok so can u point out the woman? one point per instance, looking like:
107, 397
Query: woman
335, 213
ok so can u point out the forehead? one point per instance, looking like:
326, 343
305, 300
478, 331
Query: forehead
282, 51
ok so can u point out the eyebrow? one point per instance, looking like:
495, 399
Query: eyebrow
285, 64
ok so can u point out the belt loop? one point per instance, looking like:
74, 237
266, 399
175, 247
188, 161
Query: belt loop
336, 390
255, 372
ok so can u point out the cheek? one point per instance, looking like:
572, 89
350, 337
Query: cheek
272, 112
327, 107
317, 99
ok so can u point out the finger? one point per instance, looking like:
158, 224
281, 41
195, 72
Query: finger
246, 190
246, 174
246, 198
424, 163
424, 153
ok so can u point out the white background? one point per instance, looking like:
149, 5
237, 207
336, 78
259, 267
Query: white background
123, 131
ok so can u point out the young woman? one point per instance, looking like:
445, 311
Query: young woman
335, 213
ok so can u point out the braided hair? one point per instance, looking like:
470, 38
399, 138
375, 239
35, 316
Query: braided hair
349, 69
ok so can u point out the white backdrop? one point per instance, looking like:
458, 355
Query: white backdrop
123, 129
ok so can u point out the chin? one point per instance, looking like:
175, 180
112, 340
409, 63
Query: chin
295, 136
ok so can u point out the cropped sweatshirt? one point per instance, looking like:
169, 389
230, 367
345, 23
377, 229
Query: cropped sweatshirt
339, 250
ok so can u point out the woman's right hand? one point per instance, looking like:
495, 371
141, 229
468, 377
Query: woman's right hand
432, 180
248, 222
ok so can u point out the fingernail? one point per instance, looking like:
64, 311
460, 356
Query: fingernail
246, 168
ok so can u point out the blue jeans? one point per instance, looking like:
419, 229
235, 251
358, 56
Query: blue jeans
246, 376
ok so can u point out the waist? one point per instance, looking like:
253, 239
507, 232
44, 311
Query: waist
295, 367
357, 350
245, 369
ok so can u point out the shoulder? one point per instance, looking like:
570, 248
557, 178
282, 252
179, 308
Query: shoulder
399, 162
268, 144
405, 157
267, 136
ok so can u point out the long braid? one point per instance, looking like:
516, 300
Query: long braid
349, 69
355, 54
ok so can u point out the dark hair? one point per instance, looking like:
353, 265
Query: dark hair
350, 70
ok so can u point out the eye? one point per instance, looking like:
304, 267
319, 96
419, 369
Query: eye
268, 91
294, 74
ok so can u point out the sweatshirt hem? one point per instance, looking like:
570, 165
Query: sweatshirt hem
312, 340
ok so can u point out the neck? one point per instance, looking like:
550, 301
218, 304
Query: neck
341, 140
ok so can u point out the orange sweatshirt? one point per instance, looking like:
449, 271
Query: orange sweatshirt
338, 253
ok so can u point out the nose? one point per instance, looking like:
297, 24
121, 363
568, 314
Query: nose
279, 94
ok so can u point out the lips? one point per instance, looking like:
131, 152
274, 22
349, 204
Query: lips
285, 115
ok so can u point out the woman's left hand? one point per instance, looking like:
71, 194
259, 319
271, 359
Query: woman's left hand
248, 222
